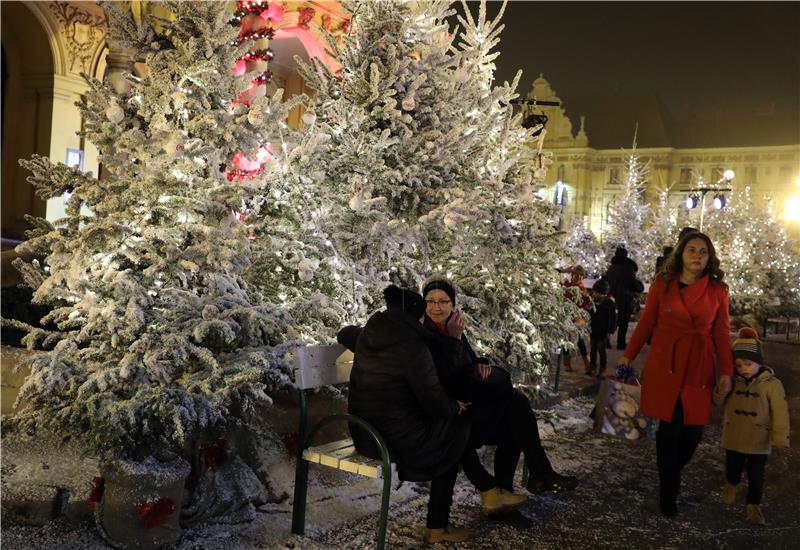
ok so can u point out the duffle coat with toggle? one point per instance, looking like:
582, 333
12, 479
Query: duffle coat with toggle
689, 327
756, 415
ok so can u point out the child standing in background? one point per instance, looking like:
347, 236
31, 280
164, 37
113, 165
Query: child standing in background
756, 419
604, 323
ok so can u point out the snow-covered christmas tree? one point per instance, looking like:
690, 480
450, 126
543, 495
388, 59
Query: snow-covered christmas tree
159, 345
628, 211
428, 170
661, 231
762, 266
585, 250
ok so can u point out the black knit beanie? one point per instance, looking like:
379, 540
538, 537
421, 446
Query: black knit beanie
440, 284
405, 299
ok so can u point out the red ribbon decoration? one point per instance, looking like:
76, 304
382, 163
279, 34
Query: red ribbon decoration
155, 512
213, 455
292, 443
96, 493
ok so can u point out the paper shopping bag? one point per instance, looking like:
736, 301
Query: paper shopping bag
617, 410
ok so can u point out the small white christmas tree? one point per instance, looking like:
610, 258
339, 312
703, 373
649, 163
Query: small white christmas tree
158, 344
585, 250
628, 211
661, 231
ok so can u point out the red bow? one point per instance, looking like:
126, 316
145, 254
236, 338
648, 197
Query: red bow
96, 494
155, 512
292, 443
213, 455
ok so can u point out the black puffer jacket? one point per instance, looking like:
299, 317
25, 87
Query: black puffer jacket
621, 275
394, 387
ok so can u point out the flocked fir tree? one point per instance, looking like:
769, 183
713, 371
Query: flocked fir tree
762, 266
159, 345
428, 170
627, 212
660, 231
585, 250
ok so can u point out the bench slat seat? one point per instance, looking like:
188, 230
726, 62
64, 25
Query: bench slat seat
342, 455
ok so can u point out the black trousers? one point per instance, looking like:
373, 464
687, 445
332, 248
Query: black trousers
441, 498
518, 432
598, 346
675, 446
736, 462
582, 346
622, 330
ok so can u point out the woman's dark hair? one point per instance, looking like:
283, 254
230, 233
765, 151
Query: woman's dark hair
673, 267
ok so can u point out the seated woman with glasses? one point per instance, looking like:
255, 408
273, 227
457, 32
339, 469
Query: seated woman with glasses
501, 415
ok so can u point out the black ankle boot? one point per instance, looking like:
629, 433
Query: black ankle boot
668, 495
552, 482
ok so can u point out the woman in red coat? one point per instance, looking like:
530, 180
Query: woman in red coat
686, 315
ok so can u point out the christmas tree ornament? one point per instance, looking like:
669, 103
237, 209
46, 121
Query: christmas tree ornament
255, 116
461, 75
408, 104
357, 202
309, 117
114, 113
306, 269
178, 100
173, 146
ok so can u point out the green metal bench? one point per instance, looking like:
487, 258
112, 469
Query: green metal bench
317, 366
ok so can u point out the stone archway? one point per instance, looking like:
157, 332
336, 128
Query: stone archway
28, 71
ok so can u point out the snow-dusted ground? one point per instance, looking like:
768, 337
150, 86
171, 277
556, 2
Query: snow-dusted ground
613, 507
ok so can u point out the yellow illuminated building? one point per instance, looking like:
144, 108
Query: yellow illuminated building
592, 176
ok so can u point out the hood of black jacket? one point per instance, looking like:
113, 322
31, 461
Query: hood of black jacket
389, 328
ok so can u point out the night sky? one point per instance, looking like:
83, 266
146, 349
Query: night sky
708, 63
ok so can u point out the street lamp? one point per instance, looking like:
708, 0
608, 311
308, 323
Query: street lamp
719, 198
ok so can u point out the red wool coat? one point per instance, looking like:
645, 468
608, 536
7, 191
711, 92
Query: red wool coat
687, 326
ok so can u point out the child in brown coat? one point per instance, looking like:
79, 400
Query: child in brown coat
756, 419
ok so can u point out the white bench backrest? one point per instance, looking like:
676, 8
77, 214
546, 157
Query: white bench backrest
317, 366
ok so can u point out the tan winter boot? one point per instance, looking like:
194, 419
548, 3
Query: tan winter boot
754, 514
448, 534
585, 363
728, 494
496, 500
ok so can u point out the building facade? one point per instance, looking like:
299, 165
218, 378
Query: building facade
593, 177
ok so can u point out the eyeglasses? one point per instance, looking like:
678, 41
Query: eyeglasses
440, 303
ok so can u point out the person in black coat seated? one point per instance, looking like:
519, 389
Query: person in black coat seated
621, 275
501, 415
394, 386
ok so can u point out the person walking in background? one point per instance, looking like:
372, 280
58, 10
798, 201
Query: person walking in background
604, 322
625, 287
686, 315
665, 252
576, 275
756, 419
